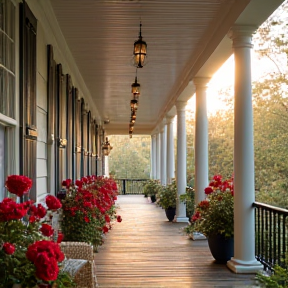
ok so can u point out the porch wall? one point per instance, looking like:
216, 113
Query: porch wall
48, 33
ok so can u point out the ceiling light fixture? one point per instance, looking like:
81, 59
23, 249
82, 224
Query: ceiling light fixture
106, 147
139, 52
135, 87
134, 104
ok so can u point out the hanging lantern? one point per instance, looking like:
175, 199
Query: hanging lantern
133, 117
134, 105
140, 50
135, 87
106, 147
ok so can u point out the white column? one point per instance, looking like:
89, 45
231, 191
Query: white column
153, 157
106, 159
163, 154
201, 139
244, 234
170, 149
181, 160
158, 156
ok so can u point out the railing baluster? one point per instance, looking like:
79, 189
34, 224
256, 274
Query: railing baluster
270, 238
262, 234
284, 240
270, 232
274, 238
279, 240
266, 236
131, 186
258, 231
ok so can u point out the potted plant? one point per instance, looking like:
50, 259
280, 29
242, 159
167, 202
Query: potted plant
28, 256
166, 198
151, 188
214, 217
188, 199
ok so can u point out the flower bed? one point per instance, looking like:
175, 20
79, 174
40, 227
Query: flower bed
88, 209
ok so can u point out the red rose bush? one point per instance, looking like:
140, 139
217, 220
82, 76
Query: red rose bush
215, 214
89, 209
27, 253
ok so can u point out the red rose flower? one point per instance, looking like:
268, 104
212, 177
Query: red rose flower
32, 219
119, 218
60, 237
79, 183
64, 183
8, 248
86, 219
208, 190
46, 267
196, 216
53, 203
107, 218
204, 204
53, 250
18, 184
105, 229
84, 180
10, 210
217, 178
41, 211
46, 230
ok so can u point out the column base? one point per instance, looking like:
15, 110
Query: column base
182, 219
197, 236
243, 267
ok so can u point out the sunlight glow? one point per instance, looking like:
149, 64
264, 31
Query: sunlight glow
223, 80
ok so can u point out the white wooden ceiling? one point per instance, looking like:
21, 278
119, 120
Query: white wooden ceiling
182, 37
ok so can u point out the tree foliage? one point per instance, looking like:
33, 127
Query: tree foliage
130, 158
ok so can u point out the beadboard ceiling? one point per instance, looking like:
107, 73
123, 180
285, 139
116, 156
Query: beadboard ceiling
182, 38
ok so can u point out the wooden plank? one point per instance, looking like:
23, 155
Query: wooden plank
146, 250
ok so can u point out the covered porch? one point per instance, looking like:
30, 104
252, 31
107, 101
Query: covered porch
70, 81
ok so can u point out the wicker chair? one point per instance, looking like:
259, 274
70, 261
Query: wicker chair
85, 276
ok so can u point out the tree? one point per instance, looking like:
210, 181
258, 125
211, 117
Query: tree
130, 158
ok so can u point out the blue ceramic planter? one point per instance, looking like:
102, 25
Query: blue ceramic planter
170, 213
222, 249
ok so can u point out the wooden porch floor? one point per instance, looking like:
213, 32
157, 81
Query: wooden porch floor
146, 250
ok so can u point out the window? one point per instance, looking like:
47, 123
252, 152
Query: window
2, 162
7, 58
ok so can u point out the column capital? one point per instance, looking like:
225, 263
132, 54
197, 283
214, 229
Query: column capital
181, 105
169, 119
201, 82
153, 136
241, 35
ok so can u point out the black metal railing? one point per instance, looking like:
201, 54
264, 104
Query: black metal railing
130, 186
271, 229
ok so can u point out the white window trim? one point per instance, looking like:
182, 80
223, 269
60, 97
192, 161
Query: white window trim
7, 121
